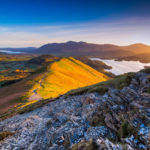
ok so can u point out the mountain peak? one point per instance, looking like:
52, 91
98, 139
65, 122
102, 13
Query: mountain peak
139, 44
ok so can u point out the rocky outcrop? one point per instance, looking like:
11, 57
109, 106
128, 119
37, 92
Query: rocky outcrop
117, 120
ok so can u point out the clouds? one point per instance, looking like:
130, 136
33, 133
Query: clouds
119, 31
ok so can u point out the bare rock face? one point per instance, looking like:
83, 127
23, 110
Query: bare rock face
117, 120
87, 100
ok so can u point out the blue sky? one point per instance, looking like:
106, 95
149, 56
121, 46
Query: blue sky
37, 22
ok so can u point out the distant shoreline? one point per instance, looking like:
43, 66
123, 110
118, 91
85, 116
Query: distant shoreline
122, 66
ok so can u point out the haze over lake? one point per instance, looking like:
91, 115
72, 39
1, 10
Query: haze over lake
120, 67
10, 52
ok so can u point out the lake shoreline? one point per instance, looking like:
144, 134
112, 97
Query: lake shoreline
121, 67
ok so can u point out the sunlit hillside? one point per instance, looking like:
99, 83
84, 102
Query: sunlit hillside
64, 75
27, 81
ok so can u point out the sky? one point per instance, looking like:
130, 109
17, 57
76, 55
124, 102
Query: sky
25, 23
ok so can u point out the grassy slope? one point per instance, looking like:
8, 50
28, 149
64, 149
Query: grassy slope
65, 75
118, 82
97, 65
57, 77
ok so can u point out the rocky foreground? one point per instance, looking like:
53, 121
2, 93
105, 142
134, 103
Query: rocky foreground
117, 120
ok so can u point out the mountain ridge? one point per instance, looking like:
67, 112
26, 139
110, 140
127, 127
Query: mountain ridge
72, 48
53, 76
105, 46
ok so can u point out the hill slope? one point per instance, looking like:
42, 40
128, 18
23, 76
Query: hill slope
138, 48
117, 119
52, 77
64, 75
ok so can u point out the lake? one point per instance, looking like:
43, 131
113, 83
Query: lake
10, 52
120, 67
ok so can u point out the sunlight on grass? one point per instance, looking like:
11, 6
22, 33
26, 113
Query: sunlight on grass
65, 75
26, 104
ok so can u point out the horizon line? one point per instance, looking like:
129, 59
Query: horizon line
136, 43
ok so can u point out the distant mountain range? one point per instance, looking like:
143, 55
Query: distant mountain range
88, 49
131, 52
83, 48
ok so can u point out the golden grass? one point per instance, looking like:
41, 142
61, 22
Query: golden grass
65, 75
